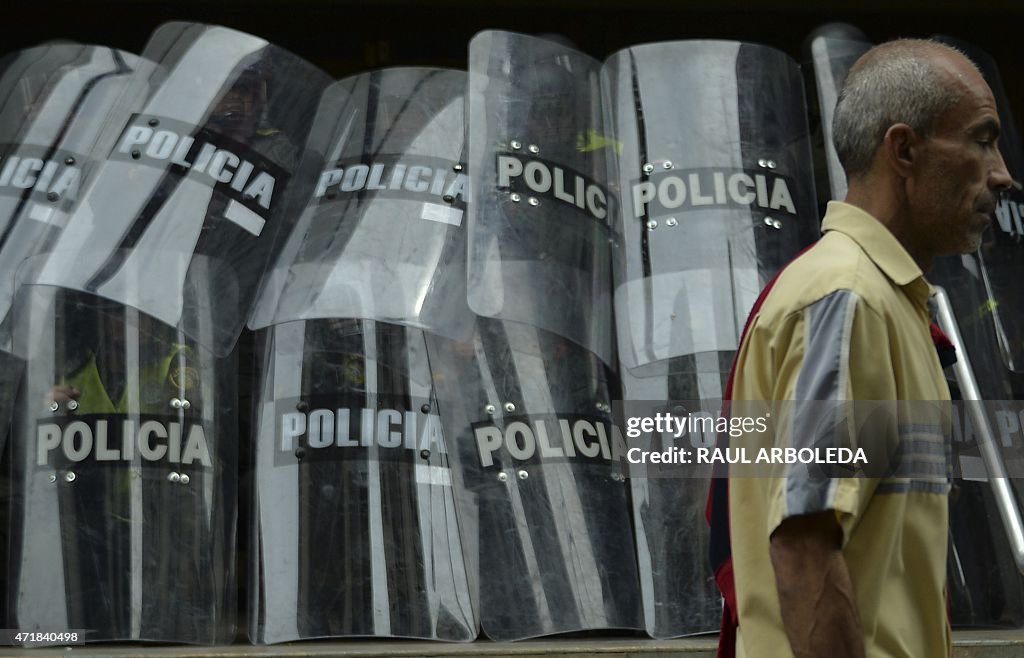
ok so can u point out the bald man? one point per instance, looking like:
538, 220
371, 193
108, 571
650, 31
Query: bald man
838, 567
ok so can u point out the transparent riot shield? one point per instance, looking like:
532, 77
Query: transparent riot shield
175, 226
831, 59
124, 473
543, 502
550, 543
717, 194
355, 531
53, 100
354, 528
205, 150
984, 588
383, 235
538, 158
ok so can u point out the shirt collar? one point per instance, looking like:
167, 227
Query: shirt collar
880, 245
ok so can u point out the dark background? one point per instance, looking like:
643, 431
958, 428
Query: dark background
349, 36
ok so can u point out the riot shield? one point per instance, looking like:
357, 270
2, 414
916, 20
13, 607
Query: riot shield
205, 148
166, 245
984, 588
831, 59
543, 502
124, 480
382, 237
547, 522
53, 100
718, 194
354, 530
538, 157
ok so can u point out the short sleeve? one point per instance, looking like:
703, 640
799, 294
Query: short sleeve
836, 354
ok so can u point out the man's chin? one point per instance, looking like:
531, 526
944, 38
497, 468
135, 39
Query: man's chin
968, 244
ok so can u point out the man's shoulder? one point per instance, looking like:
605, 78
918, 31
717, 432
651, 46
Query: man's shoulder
836, 262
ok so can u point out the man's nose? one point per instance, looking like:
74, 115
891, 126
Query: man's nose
999, 178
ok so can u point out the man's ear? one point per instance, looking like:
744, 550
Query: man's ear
899, 149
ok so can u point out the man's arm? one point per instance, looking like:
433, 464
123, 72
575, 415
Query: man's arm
819, 610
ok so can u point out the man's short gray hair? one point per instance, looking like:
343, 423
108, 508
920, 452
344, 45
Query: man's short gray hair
894, 82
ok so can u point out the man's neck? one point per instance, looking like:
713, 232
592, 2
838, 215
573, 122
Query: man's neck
882, 201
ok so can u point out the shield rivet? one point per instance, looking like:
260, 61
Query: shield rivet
302, 406
770, 164
70, 477
523, 475
761, 162
516, 144
503, 476
154, 122
53, 477
425, 454
671, 221
448, 198
509, 407
652, 224
184, 478
534, 149
515, 197
457, 167
425, 408
69, 161
54, 406
173, 477
185, 404
490, 409
776, 224
175, 403
667, 164
648, 168
534, 201
52, 196
767, 221
72, 404
136, 154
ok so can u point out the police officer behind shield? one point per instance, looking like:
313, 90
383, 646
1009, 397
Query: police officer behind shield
856, 566
242, 114
95, 374
117, 364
